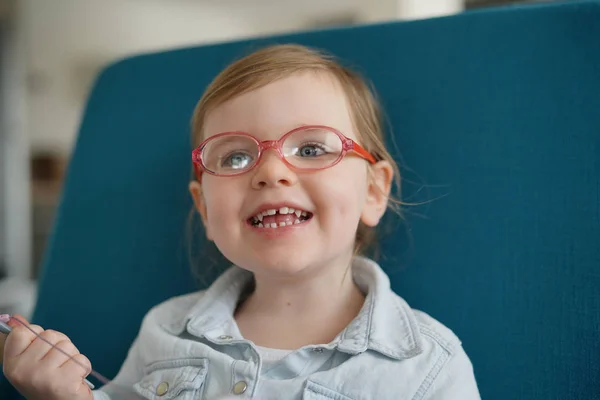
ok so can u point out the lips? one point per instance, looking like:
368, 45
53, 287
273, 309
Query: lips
279, 217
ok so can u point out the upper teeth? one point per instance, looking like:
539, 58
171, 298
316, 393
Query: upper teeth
282, 210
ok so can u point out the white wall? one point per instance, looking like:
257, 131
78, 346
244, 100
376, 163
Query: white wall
417, 9
14, 155
386, 10
68, 41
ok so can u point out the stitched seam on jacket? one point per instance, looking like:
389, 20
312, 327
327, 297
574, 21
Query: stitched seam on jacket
324, 391
447, 351
448, 345
430, 378
233, 382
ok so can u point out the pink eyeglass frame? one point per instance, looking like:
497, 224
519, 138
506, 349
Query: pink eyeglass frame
348, 145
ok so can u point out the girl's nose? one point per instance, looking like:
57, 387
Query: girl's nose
272, 171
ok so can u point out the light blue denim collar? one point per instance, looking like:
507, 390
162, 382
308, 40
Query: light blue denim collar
385, 324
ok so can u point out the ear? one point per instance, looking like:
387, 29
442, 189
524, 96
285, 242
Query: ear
378, 192
196, 192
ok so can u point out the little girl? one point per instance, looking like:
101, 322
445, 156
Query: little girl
292, 176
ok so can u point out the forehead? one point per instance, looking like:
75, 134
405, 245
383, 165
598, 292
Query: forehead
308, 98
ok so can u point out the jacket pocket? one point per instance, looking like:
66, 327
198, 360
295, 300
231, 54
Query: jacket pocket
181, 379
314, 391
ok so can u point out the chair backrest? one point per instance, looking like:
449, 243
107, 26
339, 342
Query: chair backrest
496, 115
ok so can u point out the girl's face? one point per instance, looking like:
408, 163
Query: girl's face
335, 199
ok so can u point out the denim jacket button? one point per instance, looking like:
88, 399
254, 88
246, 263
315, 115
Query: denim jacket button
162, 389
240, 387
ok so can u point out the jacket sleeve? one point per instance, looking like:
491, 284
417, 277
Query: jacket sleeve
456, 379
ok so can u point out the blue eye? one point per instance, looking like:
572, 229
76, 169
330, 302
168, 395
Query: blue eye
311, 150
236, 160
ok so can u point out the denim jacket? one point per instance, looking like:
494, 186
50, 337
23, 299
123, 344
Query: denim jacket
190, 347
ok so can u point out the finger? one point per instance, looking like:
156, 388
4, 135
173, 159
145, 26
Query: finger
53, 383
16, 320
84, 388
19, 340
42, 345
78, 367
68, 386
61, 352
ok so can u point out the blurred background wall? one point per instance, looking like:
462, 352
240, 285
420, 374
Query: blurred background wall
50, 53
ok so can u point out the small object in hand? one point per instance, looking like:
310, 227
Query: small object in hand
4, 328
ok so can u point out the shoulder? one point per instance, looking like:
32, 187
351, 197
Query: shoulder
446, 369
421, 326
451, 373
433, 330
432, 339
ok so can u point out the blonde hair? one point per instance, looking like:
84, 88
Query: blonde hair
275, 62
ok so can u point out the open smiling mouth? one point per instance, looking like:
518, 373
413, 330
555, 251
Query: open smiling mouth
278, 218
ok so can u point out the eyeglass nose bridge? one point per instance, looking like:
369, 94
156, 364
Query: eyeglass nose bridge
270, 145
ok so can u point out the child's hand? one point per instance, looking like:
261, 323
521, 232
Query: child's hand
39, 371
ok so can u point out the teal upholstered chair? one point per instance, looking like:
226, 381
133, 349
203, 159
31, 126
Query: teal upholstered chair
497, 117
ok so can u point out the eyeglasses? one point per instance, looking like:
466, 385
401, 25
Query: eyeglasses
307, 148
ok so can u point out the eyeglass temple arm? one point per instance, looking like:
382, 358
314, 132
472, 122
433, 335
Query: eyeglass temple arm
358, 149
196, 164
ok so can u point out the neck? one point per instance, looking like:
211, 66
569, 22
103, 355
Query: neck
294, 311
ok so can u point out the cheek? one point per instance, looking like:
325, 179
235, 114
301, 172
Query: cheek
222, 202
344, 192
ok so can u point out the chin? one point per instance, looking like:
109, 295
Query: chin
277, 265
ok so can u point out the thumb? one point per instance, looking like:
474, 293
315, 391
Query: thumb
12, 323
16, 320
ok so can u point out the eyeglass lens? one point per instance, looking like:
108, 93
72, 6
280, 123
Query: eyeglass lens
312, 148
